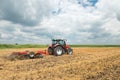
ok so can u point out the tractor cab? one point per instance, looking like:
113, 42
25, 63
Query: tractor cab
58, 41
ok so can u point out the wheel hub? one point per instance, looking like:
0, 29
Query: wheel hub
59, 52
70, 52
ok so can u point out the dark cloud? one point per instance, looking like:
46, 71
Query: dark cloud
25, 12
118, 17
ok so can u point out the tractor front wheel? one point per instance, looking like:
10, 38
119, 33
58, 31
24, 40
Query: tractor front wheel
69, 51
58, 51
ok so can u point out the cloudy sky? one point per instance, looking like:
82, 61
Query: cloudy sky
78, 21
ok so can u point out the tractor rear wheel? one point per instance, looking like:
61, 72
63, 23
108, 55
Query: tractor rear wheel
58, 51
69, 51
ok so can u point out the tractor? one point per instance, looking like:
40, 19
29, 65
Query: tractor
59, 47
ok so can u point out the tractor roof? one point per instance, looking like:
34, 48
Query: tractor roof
58, 39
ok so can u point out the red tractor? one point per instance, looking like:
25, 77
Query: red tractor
59, 47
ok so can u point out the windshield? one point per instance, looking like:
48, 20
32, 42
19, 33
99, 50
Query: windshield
58, 42
61, 42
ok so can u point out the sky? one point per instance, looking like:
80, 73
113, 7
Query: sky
78, 21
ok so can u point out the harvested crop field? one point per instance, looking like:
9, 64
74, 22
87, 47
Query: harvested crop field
85, 64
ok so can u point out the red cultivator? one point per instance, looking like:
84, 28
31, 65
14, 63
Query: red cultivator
27, 55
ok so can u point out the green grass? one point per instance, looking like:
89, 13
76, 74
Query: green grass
4, 46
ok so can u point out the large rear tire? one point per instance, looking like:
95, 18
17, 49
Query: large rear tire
69, 51
58, 51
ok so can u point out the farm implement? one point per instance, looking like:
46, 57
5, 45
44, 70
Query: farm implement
57, 48
27, 55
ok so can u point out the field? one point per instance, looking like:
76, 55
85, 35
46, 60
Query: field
86, 63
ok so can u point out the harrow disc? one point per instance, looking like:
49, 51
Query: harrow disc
16, 55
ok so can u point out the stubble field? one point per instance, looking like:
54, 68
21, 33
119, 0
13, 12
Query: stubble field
85, 64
